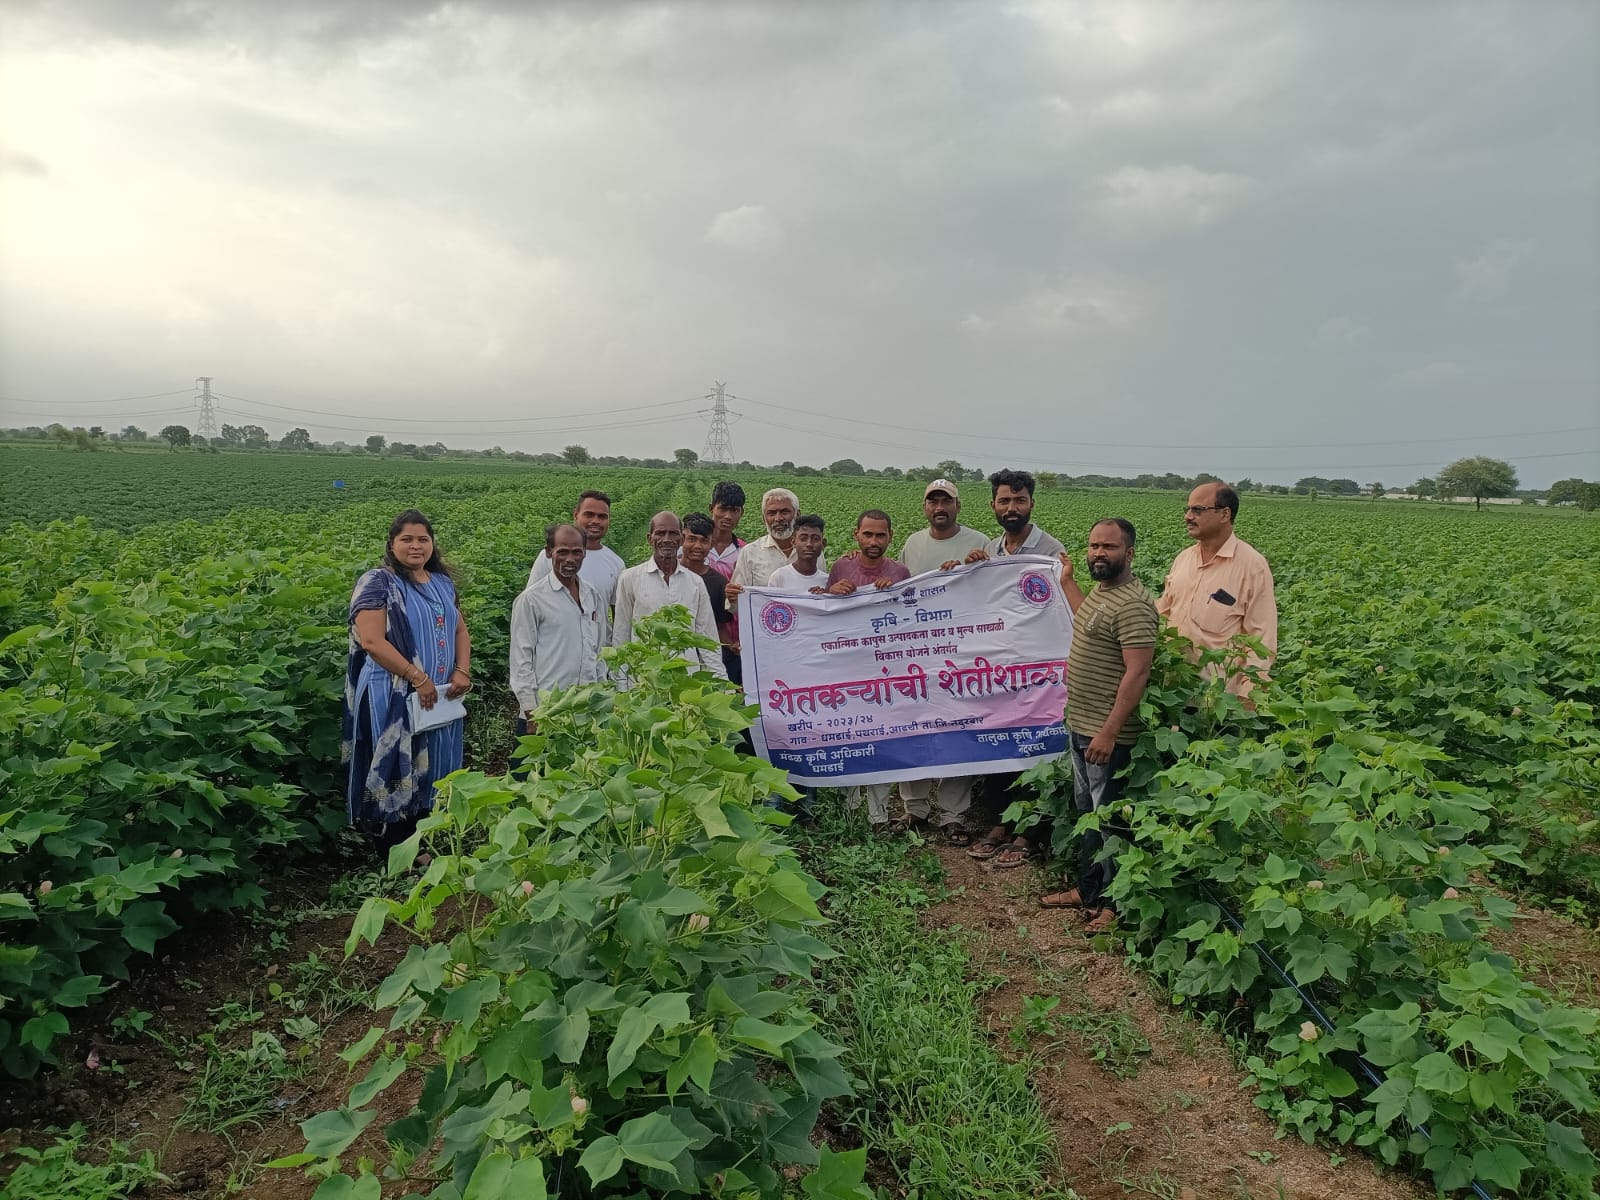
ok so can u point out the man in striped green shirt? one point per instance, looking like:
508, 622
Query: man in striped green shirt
1114, 631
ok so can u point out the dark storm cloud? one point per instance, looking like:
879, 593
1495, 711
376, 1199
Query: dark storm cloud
1154, 225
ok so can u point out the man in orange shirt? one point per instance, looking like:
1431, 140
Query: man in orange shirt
1221, 587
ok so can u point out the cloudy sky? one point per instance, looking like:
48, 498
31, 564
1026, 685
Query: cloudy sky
1258, 239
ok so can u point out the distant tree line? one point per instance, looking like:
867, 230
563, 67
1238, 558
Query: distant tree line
1477, 478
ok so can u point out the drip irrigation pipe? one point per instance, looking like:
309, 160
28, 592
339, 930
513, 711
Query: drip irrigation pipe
1374, 1076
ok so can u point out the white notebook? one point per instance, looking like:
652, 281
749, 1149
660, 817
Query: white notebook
442, 713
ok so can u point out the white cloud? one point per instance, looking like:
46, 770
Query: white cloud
1486, 277
1075, 306
1179, 198
1341, 333
751, 227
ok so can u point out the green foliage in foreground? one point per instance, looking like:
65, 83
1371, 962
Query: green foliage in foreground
62, 1171
146, 762
616, 1002
1360, 869
945, 1113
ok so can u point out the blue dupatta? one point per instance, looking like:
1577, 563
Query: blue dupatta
382, 782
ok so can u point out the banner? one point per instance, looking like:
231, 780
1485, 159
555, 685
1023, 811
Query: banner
959, 672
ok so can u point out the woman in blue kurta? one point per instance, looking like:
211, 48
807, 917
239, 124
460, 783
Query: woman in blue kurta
406, 635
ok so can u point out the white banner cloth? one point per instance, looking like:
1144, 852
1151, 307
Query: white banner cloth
960, 672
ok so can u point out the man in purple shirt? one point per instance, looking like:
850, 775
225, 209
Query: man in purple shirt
871, 567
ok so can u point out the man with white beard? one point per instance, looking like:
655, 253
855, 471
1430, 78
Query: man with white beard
760, 558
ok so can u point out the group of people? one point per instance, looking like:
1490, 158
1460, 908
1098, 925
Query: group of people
407, 635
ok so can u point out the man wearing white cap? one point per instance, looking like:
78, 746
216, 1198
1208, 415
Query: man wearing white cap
945, 543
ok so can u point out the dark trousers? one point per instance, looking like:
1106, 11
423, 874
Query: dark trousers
1095, 787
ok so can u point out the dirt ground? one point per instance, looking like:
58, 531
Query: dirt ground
143, 1080
1178, 1126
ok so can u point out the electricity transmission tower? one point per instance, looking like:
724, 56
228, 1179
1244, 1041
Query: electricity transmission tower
719, 442
208, 411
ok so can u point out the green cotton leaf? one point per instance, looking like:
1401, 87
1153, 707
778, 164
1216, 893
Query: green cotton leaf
1498, 1039
264, 741
838, 1176
382, 1073
764, 1035
342, 1187
368, 924
354, 1054
464, 1003
697, 1063
144, 923
422, 970
501, 1177
330, 1133
1337, 1082
1438, 1072
1500, 1165
708, 808
569, 1036
786, 898
77, 991
602, 1159
1276, 871
40, 1031
1389, 1100
1565, 1148
1536, 1053
652, 1141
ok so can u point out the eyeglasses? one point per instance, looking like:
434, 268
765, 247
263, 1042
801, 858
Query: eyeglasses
1194, 510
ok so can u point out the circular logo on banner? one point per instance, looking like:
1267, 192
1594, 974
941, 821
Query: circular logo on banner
1036, 588
777, 618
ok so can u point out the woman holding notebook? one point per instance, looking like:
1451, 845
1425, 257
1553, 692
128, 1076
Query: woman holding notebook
409, 665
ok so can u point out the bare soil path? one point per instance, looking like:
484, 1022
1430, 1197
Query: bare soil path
1162, 1113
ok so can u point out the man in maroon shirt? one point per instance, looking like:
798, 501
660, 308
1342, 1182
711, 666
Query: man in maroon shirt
871, 567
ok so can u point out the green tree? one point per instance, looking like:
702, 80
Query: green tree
375, 443
232, 435
846, 466
686, 457
132, 433
1424, 488
176, 435
952, 470
1479, 477
575, 456
1566, 491
1376, 490
296, 439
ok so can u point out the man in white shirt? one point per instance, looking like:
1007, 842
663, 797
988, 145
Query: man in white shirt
558, 626
760, 558
601, 564
945, 543
804, 574
661, 581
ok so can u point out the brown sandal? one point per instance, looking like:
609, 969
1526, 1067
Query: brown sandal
1014, 854
956, 834
1071, 898
1103, 921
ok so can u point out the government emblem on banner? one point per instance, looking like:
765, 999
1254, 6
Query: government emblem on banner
777, 618
1036, 588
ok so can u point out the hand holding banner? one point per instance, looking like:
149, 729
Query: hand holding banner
959, 672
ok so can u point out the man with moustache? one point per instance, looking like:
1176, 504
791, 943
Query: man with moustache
760, 558
1011, 498
601, 564
1221, 587
1114, 632
558, 625
871, 565
945, 543
661, 581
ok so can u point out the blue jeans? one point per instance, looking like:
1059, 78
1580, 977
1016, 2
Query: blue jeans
1095, 786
